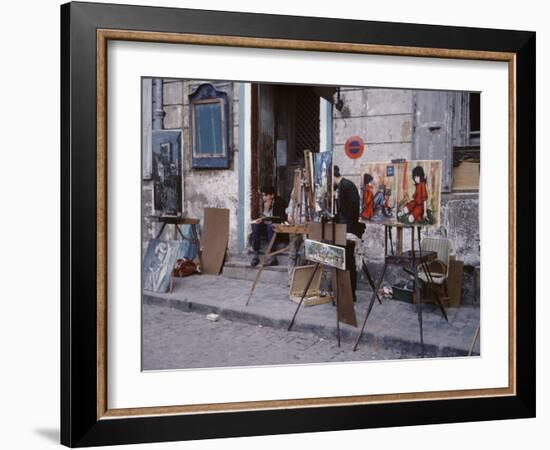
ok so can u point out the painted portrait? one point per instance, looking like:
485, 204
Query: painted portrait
419, 193
378, 192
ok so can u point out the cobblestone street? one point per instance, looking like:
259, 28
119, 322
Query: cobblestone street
174, 339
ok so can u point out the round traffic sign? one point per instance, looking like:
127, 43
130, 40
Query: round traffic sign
354, 147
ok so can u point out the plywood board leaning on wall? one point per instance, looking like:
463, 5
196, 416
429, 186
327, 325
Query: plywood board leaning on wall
214, 239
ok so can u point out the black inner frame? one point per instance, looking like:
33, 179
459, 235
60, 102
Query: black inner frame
79, 425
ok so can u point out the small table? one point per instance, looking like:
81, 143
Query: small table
412, 262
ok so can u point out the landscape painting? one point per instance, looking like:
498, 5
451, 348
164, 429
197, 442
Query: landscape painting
327, 254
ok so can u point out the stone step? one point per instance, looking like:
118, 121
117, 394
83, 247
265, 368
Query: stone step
241, 270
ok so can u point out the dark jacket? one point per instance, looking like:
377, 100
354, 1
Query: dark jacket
279, 209
348, 207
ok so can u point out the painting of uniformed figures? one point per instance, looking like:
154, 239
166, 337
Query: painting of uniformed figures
323, 182
378, 192
419, 193
167, 178
158, 263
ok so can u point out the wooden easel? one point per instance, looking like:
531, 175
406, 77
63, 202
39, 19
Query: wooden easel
410, 261
334, 284
277, 229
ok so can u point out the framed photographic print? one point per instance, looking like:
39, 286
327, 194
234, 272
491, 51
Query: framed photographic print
199, 148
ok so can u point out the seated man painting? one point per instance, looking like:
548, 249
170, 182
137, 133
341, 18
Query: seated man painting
273, 211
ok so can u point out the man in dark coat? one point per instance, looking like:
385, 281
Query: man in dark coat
272, 211
347, 211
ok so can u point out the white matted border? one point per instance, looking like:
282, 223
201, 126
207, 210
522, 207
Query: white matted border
128, 387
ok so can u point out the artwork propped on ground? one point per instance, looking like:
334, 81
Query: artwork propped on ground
378, 189
407, 193
158, 263
419, 193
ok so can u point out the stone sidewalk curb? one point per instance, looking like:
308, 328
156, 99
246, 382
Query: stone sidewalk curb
440, 341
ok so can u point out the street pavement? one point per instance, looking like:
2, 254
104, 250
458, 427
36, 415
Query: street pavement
174, 339
392, 329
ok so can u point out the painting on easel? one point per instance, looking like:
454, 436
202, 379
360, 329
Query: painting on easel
323, 182
330, 255
378, 193
407, 193
419, 193
167, 175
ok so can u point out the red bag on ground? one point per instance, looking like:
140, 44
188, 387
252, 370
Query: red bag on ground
184, 267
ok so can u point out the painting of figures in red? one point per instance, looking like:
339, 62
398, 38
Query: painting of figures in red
419, 193
378, 193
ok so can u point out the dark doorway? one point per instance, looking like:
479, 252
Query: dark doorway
285, 122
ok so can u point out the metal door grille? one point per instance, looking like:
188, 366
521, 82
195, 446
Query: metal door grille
307, 122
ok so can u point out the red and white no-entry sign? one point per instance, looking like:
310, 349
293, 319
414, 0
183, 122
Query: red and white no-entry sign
354, 147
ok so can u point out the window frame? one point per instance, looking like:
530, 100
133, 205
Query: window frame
205, 94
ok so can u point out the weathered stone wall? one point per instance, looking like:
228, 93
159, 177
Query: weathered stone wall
216, 188
382, 118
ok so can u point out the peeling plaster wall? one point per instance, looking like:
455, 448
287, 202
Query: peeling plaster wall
217, 188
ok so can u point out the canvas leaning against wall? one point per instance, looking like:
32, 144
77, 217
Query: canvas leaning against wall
158, 263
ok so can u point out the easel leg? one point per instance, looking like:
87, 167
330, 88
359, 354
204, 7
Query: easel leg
197, 243
476, 335
370, 280
419, 308
337, 311
304, 294
266, 256
370, 306
180, 233
159, 234
327, 284
399, 245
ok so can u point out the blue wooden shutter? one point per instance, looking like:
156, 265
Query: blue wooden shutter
209, 128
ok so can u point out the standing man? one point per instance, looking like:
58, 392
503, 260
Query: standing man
273, 211
347, 211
